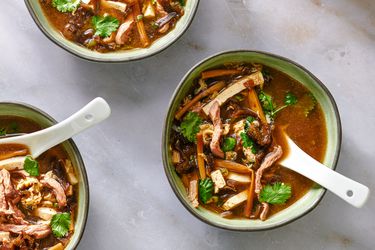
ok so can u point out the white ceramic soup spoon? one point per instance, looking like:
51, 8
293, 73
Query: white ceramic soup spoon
39, 142
297, 160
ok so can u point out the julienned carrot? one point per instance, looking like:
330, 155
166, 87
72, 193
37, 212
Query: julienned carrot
232, 166
217, 87
219, 72
254, 104
200, 158
8, 155
140, 25
250, 196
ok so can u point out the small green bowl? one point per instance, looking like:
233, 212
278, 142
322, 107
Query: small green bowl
44, 120
159, 45
294, 70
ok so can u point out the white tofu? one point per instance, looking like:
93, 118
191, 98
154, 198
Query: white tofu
193, 193
114, 5
218, 180
4, 236
45, 213
14, 163
234, 89
236, 200
239, 177
58, 246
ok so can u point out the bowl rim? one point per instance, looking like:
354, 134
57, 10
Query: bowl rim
79, 159
97, 59
165, 152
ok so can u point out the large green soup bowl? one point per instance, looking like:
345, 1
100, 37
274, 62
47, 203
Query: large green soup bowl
310, 200
157, 46
44, 120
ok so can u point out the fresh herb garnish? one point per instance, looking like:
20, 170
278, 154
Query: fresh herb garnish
206, 188
139, 17
3, 131
239, 98
31, 166
66, 5
104, 26
277, 193
190, 126
311, 106
269, 106
60, 224
182, 2
248, 121
229, 144
247, 142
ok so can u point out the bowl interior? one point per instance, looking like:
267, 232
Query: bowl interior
117, 56
44, 120
307, 202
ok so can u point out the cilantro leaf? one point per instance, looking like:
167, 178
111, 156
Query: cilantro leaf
229, 144
206, 189
3, 131
104, 26
60, 224
31, 166
290, 99
312, 104
66, 5
247, 142
190, 126
267, 102
248, 121
182, 2
277, 193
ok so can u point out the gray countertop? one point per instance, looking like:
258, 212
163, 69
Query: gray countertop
132, 205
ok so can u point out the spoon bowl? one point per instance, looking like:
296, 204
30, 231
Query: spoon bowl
347, 189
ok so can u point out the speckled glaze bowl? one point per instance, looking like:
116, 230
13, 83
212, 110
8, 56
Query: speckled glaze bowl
117, 56
44, 120
294, 70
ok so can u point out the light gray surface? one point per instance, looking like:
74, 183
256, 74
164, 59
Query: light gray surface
132, 205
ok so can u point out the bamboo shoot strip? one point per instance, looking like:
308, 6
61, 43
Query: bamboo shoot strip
138, 18
214, 88
239, 85
200, 158
250, 196
255, 105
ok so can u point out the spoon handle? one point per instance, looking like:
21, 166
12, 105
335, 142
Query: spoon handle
349, 190
39, 142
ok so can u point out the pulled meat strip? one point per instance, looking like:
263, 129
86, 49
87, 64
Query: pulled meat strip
265, 210
216, 120
58, 190
267, 162
39, 231
8, 198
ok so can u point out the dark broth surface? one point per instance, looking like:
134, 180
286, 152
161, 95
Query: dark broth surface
51, 161
304, 122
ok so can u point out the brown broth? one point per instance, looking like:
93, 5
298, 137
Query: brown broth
307, 131
60, 20
13, 124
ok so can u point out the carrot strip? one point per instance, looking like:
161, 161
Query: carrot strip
233, 166
219, 72
140, 25
218, 86
254, 104
8, 155
250, 196
200, 159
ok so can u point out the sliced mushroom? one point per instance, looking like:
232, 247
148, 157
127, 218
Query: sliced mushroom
124, 30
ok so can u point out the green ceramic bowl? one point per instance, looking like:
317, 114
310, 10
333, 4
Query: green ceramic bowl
44, 120
294, 70
118, 56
